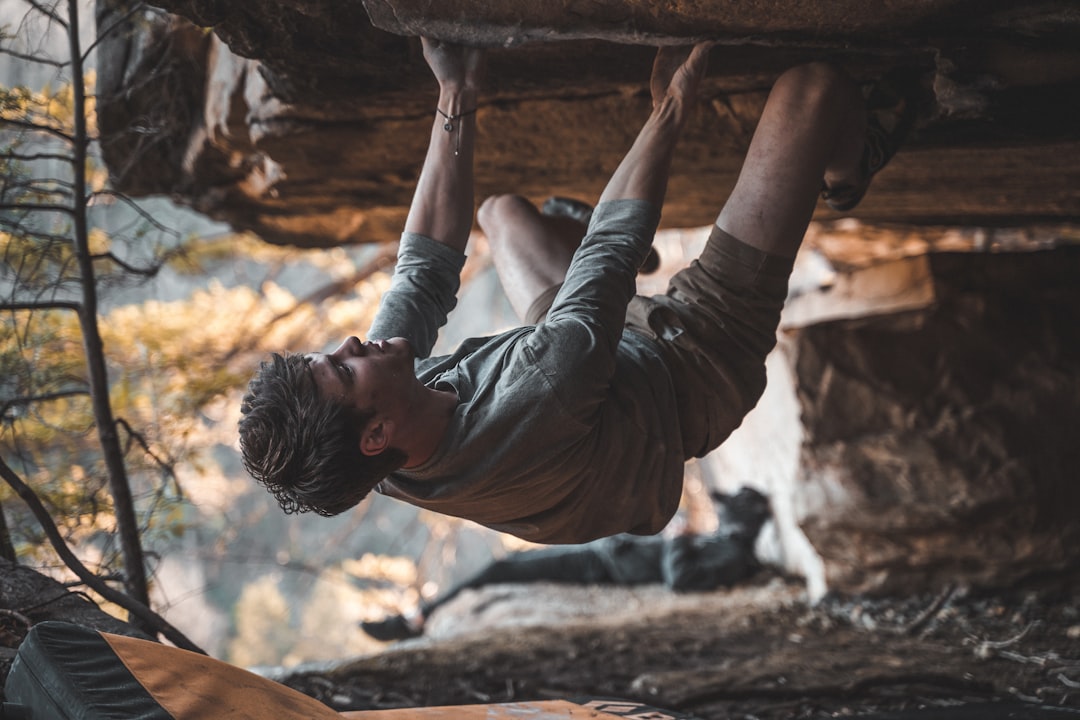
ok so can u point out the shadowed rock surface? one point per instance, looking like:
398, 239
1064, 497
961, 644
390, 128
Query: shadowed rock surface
306, 122
940, 444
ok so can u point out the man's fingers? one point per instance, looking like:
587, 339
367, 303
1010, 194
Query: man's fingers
679, 69
669, 59
699, 55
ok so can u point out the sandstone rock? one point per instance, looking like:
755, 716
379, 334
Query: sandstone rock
924, 446
306, 123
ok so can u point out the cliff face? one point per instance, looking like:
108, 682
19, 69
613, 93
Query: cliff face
306, 121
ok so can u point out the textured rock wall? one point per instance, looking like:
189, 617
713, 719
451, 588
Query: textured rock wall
940, 445
912, 446
305, 122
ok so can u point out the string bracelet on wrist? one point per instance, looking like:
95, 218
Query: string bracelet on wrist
448, 126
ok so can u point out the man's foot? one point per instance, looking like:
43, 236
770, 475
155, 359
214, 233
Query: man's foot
395, 627
557, 206
891, 112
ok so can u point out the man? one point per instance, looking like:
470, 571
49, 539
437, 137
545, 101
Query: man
684, 562
575, 427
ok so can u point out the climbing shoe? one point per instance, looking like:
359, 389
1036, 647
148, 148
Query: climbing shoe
395, 627
891, 109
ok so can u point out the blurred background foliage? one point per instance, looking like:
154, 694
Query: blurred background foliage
187, 309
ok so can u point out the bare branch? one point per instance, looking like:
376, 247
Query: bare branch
135, 206
44, 397
138, 438
38, 207
148, 617
34, 58
385, 255
47, 12
145, 272
33, 183
102, 34
17, 616
35, 156
44, 305
38, 186
34, 127
17, 227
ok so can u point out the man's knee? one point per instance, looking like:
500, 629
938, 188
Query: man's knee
815, 83
499, 210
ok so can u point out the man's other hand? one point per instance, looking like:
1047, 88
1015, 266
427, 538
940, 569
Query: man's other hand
677, 72
456, 67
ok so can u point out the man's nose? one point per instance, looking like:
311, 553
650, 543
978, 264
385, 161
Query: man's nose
351, 346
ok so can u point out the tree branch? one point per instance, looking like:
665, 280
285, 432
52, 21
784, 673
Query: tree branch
45, 305
138, 438
34, 182
102, 34
45, 397
34, 127
35, 156
31, 235
134, 206
37, 207
144, 272
47, 12
385, 255
34, 58
149, 618
39, 187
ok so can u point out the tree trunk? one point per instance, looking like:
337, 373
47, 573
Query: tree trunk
7, 549
127, 527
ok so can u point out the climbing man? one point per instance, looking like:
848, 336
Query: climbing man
576, 425
685, 562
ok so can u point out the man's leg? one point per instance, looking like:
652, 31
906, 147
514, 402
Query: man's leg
812, 130
531, 251
722, 311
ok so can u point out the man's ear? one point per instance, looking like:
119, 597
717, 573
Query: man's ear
376, 436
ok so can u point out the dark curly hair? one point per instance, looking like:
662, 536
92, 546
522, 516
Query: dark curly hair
303, 448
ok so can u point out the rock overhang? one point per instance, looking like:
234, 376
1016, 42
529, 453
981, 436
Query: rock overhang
305, 121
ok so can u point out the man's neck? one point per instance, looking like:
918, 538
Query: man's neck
429, 422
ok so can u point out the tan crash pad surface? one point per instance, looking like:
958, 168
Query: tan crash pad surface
545, 710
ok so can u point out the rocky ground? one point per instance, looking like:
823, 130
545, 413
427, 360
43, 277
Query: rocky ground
757, 651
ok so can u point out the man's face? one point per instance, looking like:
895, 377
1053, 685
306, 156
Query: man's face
365, 375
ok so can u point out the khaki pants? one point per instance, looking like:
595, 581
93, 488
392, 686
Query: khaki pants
715, 326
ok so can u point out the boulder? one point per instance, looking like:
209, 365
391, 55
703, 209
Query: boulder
918, 431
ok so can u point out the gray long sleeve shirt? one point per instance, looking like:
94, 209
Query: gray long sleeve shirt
565, 431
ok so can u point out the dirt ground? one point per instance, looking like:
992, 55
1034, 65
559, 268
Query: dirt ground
758, 651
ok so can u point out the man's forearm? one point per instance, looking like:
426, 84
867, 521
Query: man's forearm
643, 172
442, 207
